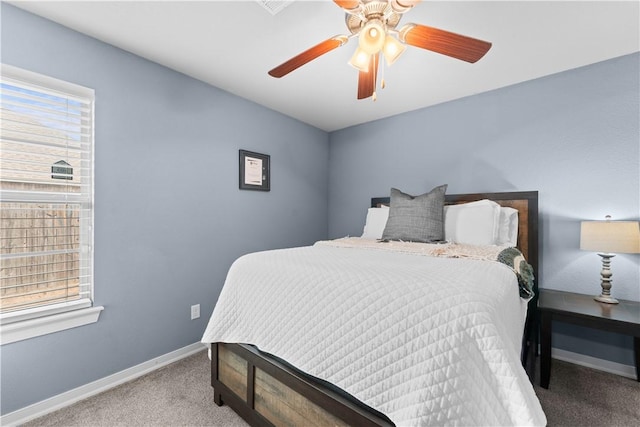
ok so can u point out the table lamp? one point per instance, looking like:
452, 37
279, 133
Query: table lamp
608, 238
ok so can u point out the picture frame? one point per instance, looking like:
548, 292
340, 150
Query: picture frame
254, 171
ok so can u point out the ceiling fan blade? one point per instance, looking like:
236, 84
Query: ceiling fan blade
347, 4
444, 42
401, 6
308, 55
367, 80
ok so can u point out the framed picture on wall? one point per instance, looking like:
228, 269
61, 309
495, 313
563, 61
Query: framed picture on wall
255, 171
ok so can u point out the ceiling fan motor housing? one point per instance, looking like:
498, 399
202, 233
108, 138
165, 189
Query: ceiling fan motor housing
373, 10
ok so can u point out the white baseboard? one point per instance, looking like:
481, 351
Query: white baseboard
627, 371
72, 396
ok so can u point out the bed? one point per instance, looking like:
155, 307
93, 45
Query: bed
278, 381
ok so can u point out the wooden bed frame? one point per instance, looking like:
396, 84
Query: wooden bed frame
266, 391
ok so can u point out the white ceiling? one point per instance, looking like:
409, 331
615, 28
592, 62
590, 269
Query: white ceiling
232, 45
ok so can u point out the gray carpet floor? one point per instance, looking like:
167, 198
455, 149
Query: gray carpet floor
180, 395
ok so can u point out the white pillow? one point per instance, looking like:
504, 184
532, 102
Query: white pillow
474, 223
375, 222
508, 228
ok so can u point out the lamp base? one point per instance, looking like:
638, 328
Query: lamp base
605, 277
606, 298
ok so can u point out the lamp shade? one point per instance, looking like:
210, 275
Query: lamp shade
372, 37
392, 49
610, 236
360, 60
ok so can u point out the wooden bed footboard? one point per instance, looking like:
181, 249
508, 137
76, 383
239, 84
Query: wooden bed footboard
265, 392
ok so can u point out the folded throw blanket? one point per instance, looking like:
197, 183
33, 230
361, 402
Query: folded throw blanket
509, 256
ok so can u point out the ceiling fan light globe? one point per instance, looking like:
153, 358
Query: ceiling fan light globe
360, 60
372, 37
392, 50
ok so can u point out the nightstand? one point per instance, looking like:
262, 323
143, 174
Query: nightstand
579, 309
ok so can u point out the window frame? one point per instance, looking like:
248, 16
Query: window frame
32, 322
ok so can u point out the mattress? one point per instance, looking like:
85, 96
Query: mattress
427, 337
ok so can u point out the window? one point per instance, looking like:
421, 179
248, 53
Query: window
46, 196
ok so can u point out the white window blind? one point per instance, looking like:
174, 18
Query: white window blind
46, 194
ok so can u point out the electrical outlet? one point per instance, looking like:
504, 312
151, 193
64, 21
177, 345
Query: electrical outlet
195, 311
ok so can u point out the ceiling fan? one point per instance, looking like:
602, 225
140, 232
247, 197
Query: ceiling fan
375, 22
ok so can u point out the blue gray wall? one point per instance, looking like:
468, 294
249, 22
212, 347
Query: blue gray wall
169, 217
573, 136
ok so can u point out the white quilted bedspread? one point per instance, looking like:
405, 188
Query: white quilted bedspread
424, 340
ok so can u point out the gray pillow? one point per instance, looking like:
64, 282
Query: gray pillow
416, 219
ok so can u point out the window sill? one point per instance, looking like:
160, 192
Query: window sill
32, 328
